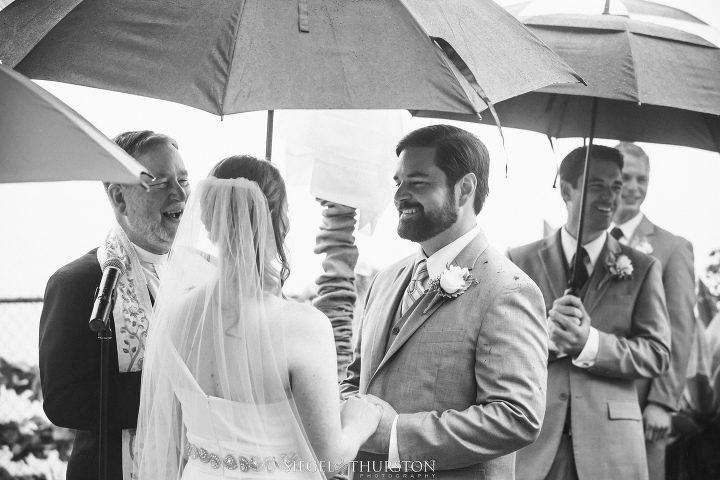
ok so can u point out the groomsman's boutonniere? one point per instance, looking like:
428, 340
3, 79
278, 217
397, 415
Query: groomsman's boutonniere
619, 266
451, 283
644, 246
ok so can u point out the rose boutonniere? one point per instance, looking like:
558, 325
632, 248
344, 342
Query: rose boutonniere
451, 283
619, 266
644, 246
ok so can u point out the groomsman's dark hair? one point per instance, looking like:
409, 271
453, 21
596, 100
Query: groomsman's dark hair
457, 153
571, 168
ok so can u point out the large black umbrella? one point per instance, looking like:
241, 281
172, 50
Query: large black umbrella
645, 82
232, 56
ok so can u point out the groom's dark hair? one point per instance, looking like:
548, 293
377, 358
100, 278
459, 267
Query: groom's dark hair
457, 153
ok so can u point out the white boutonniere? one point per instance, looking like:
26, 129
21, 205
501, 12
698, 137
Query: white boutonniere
451, 283
619, 266
644, 246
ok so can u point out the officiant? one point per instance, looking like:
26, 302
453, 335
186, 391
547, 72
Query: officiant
146, 223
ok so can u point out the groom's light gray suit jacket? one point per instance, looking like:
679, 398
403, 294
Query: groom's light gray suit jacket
467, 375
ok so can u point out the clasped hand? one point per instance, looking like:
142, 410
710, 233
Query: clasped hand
569, 325
376, 421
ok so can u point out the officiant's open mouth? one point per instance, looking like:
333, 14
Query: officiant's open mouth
173, 215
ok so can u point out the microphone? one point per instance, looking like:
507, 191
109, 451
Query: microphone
112, 269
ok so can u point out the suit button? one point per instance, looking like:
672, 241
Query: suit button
395, 330
563, 396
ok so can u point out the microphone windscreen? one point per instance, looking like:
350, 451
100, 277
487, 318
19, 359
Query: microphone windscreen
114, 262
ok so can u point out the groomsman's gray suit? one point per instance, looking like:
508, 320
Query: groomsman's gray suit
631, 317
678, 274
467, 375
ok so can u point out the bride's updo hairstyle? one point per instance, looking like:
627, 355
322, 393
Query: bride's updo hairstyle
267, 176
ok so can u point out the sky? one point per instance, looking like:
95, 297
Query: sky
46, 225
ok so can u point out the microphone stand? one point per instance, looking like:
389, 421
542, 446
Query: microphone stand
104, 336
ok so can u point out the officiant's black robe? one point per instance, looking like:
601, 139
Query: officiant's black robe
70, 370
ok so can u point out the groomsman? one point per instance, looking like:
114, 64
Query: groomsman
452, 341
146, 223
658, 397
614, 333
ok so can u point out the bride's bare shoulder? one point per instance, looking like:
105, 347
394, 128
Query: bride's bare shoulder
301, 320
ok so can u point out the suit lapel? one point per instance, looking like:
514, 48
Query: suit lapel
645, 230
428, 303
600, 279
554, 265
387, 314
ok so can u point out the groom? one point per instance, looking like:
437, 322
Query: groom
461, 378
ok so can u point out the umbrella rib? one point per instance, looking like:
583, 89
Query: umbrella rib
233, 47
635, 74
342, 60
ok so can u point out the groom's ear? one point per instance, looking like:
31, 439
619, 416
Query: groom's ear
468, 185
117, 197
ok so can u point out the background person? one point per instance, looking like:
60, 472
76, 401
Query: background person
659, 397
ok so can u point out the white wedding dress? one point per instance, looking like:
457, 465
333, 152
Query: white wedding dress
217, 445
216, 399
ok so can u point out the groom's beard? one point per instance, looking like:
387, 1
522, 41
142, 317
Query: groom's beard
425, 225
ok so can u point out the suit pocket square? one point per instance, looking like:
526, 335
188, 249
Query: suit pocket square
443, 336
624, 411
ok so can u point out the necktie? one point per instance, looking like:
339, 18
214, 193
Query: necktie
583, 273
617, 233
416, 286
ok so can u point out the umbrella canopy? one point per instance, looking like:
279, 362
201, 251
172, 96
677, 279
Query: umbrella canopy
645, 82
653, 83
229, 56
42, 139
634, 8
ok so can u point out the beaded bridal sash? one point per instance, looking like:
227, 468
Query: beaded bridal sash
268, 464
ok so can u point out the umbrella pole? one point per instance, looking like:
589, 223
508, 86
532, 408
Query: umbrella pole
269, 135
574, 281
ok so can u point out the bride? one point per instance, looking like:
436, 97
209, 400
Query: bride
237, 381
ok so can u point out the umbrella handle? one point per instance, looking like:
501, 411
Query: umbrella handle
574, 283
269, 135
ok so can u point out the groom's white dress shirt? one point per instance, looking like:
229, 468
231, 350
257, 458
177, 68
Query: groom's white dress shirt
153, 266
436, 263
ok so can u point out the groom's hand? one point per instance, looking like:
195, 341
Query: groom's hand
379, 442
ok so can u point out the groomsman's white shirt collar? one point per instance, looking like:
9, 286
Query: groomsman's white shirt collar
628, 228
589, 353
436, 263
153, 266
593, 249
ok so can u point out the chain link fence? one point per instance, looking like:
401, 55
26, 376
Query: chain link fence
30, 446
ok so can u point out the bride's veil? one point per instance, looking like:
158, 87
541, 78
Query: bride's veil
215, 386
